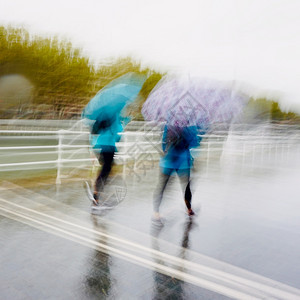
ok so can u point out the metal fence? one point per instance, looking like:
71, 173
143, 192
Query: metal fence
246, 146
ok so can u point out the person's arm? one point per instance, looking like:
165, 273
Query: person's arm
118, 128
193, 137
164, 139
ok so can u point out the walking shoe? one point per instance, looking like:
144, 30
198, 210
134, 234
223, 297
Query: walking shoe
157, 220
191, 212
90, 194
99, 209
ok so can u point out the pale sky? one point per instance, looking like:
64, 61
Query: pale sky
256, 42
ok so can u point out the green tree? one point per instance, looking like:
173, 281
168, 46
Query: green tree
56, 69
61, 75
269, 109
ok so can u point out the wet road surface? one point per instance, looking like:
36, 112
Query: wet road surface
243, 243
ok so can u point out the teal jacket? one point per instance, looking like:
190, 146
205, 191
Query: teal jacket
176, 146
108, 137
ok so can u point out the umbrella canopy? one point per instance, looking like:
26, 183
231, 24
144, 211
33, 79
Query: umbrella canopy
111, 99
192, 102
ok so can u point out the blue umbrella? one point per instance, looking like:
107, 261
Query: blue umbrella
111, 99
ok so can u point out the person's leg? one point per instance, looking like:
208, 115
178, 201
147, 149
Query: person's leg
184, 177
188, 199
106, 159
158, 194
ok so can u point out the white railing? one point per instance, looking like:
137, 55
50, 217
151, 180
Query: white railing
64, 151
70, 148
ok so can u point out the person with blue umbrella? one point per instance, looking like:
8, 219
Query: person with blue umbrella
104, 115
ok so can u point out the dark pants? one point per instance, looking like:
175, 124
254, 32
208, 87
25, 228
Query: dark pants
184, 177
106, 159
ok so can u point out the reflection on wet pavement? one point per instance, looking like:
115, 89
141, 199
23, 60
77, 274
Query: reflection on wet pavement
243, 241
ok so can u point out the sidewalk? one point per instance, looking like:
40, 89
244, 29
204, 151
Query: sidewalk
243, 241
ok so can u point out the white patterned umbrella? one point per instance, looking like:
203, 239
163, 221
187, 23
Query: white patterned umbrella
192, 102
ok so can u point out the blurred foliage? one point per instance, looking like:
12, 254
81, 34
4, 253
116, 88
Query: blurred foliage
266, 109
54, 67
64, 80
278, 115
62, 77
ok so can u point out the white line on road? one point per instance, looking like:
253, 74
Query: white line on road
132, 258
247, 286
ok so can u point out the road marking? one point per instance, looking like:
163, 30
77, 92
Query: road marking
248, 286
133, 258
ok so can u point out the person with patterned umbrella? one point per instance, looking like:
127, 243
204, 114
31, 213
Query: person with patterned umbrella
187, 109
